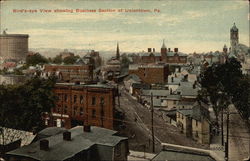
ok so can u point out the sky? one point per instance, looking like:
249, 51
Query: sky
190, 25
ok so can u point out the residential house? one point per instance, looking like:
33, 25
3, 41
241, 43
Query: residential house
195, 122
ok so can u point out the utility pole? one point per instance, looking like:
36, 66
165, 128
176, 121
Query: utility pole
118, 95
152, 122
226, 148
222, 129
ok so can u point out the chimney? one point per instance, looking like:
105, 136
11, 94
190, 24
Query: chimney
86, 128
169, 49
176, 50
149, 50
44, 144
67, 136
153, 49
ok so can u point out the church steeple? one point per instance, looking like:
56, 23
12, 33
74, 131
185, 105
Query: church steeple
163, 44
117, 52
163, 48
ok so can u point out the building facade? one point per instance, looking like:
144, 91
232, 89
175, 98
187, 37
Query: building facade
13, 46
151, 73
70, 73
83, 105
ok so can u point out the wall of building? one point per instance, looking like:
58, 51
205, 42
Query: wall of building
14, 46
151, 74
70, 73
78, 104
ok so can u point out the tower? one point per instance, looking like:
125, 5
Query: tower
117, 52
225, 49
234, 38
163, 48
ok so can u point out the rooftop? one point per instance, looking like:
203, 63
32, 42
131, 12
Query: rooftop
60, 149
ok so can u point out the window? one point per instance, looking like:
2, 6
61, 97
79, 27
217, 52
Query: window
65, 109
75, 98
75, 111
93, 113
196, 134
174, 102
81, 111
102, 101
81, 99
118, 149
196, 122
59, 97
93, 100
65, 97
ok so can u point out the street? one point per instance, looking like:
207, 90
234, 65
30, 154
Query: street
138, 119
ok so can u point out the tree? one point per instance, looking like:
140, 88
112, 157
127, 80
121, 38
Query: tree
22, 105
70, 59
219, 82
57, 59
36, 59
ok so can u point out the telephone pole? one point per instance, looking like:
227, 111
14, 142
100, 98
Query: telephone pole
226, 147
152, 122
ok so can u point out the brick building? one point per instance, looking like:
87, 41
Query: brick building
83, 105
166, 56
151, 73
70, 73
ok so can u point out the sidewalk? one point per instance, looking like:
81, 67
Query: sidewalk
217, 149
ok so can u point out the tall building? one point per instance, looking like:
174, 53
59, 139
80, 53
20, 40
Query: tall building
234, 38
13, 46
83, 104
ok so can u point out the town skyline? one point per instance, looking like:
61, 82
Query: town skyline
190, 26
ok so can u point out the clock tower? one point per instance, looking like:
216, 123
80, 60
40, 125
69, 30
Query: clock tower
234, 38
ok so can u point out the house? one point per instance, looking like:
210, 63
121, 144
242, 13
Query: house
195, 122
188, 91
79, 143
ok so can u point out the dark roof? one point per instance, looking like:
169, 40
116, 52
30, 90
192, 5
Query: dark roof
60, 149
141, 86
198, 111
181, 155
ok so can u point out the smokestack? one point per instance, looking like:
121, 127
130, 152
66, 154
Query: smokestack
149, 50
44, 144
67, 136
176, 50
86, 128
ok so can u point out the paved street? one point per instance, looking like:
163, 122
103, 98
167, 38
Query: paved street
238, 136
